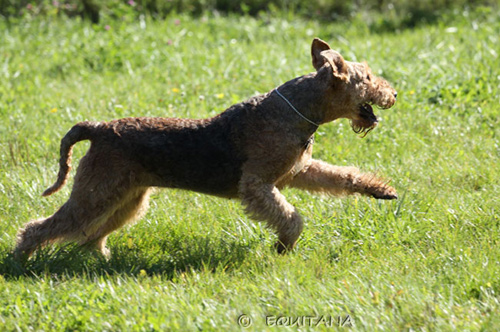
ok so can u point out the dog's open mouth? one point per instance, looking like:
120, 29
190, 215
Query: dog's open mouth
366, 120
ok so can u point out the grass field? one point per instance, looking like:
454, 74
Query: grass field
428, 261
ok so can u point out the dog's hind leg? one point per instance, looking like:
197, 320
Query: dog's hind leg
68, 223
322, 177
131, 209
35, 234
101, 185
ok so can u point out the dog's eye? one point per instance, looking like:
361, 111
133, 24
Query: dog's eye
368, 77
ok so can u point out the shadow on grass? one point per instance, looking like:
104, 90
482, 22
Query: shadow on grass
166, 258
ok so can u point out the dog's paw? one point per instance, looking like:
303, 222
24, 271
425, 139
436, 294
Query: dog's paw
281, 248
395, 196
387, 193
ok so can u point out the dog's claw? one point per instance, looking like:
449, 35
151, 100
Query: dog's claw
395, 196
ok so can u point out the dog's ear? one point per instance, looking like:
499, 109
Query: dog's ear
322, 53
317, 47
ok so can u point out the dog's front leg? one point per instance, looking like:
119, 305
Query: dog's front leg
319, 176
264, 202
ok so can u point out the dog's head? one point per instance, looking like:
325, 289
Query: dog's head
351, 88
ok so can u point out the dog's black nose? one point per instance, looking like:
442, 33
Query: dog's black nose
395, 94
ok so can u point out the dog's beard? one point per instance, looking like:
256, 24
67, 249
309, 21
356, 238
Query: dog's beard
366, 121
362, 130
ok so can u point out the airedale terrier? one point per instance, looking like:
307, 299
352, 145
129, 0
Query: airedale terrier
250, 151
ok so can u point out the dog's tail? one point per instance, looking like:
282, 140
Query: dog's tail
81, 131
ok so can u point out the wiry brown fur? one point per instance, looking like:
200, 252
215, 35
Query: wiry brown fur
250, 151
